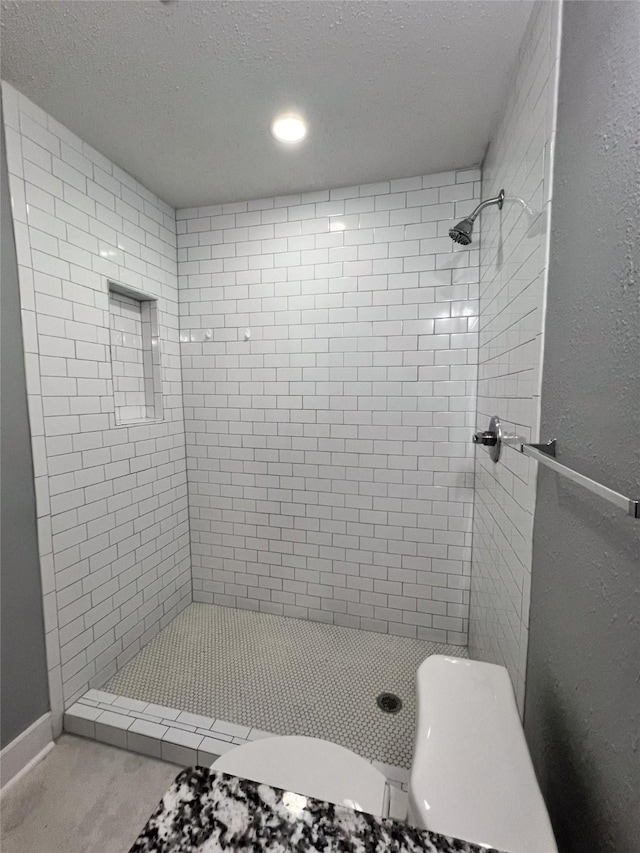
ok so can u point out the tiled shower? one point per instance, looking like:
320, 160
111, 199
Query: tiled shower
318, 359
329, 346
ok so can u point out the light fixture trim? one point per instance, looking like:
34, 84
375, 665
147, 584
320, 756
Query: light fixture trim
289, 128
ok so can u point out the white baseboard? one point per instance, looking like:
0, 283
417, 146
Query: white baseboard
25, 751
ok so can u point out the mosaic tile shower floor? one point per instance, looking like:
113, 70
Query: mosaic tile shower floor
283, 675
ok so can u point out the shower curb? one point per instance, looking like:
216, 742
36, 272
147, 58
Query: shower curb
170, 734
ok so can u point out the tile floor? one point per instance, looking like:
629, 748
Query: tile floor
285, 676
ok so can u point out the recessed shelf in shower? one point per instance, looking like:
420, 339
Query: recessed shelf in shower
135, 355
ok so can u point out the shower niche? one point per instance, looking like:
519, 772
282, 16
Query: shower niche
135, 355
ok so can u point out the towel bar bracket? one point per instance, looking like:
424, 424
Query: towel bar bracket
545, 454
549, 448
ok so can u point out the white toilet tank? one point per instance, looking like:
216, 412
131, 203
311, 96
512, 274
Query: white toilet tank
472, 775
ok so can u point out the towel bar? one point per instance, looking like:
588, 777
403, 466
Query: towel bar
493, 438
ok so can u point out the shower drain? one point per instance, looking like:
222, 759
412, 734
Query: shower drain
389, 703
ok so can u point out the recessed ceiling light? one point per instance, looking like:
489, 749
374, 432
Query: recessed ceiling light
289, 127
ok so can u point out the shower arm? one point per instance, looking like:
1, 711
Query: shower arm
499, 200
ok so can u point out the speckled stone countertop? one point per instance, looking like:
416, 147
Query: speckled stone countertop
204, 812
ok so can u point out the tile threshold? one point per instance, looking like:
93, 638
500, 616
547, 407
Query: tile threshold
171, 734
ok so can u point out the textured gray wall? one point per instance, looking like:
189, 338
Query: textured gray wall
582, 710
23, 685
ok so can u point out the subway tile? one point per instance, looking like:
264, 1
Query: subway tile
76, 724
211, 746
148, 729
129, 704
113, 735
143, 744
232, 729
197, 720
162, 711
114, 720
181, 738
85, 712
181, 755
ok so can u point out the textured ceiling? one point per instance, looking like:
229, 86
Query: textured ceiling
181, 93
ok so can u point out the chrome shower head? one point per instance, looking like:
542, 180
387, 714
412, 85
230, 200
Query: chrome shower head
461, 233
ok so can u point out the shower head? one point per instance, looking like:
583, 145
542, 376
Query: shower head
461, 233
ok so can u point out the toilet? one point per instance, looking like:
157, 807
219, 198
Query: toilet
471, 775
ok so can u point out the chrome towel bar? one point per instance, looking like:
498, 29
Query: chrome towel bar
493, 438
545, 453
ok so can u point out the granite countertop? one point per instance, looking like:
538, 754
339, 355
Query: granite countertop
205, 812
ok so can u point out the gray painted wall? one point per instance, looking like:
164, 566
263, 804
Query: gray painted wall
23, 685
582, 709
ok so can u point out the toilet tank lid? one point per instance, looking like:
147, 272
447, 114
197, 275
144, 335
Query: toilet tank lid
472, 775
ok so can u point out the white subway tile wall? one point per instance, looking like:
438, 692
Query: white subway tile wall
329, 348
111, 501
514, 263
